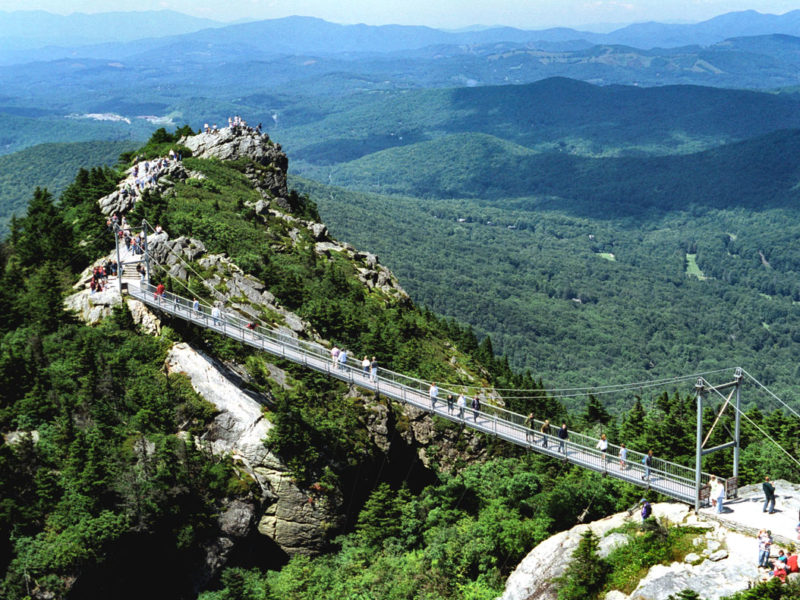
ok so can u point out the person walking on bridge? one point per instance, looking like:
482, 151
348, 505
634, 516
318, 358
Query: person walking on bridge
476, 408
433, 394
545, 431
647, 461
769, 495
529, 422
602, 445
563, 435
462, 404
335, 356
373, 374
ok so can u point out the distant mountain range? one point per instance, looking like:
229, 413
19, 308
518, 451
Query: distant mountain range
28, 30
26, 36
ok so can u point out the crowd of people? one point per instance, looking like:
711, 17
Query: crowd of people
236, 124
100, 275
145, 174
779, 566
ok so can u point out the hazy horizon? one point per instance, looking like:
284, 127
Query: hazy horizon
596, 15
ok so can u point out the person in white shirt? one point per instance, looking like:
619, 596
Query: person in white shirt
433, 392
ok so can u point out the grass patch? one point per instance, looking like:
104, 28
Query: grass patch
608, 256
650, 544
692, 269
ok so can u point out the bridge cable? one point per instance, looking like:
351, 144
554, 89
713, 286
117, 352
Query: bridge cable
771, 393
764, 433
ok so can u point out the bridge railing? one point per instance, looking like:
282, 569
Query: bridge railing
580, 448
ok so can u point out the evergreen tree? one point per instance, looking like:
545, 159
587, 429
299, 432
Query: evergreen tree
587, 572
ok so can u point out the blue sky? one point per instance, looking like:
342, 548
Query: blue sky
528, 14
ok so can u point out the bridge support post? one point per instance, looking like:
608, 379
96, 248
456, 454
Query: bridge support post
146, 252
698, 460
737, 375
116, 230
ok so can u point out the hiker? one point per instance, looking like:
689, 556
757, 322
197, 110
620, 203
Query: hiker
373, 374
476, 408
529, 422
563, 435
647, 461
764, 547
335, 356
545, 431
462, 404
647, 509
602, 445
433, 394
623, 457
769, 495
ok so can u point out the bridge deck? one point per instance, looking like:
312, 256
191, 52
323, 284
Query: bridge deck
670, 479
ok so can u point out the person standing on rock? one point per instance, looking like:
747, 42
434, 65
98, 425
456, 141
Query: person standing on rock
764, 546
647, 509
769, 495
720, 495
433, 394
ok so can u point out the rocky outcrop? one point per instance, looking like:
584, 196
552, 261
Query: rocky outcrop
227, 144
723, 563
370, 272
129, 190
297, 520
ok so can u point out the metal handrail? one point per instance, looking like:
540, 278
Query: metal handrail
666, 477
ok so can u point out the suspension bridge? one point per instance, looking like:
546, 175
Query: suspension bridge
680, 482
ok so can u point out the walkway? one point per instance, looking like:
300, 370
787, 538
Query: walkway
669, 479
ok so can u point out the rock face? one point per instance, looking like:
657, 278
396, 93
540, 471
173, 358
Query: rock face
532, 579
725, 565
297, 520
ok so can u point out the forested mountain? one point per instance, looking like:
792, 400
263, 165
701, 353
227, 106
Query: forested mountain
560, 115
114, 463
611, 274
88, 35
48, 165
758, 173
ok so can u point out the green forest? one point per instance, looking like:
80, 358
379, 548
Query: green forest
602, 282
100, 481
48, 165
